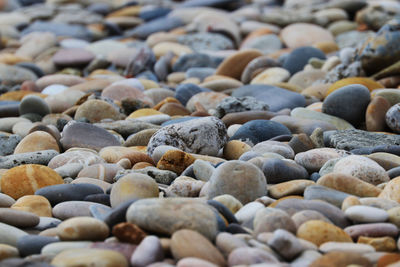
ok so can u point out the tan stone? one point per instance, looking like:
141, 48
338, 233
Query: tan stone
82, 228
37, 141
386, 160
295, 187
90, 257
162, 48
319, 232
392, 190
113, 154
175, 160
36, 204
234, 65
26, 179
7, 251
234, 149
386, 243
350, 201
349, 184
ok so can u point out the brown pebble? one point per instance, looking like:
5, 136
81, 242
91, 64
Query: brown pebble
129, 233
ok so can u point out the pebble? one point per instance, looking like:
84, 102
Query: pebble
26, 179
372, 230
187, 213
147, 252
242, 180
82, 228
9, 235
37, 141
18, 218
35, 204
87, 256
365, 214
319, 232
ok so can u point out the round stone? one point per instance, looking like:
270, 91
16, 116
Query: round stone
299, 57
26, 179
304, 34
96, 110
37, 141
349, 103
35, 204
33, 104
72, 57
133, 186
242, 180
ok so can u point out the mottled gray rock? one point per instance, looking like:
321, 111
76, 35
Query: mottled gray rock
286, 244
40, 157
353, 139
206, 41
160, 176
200, 136
8, 143
239, 104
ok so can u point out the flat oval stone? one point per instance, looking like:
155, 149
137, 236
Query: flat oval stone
33, 244
190, 213
304, 113
307, 215
314, 159
249, 256
67, 192
303, 34
95, 110
234, 65
72, 57
375, 114
319, 232
26, 179
346, 247
278, 170
271, 219
257, 131
372, 230
326, 194
63, 79
349, 184
88, 256
34, 204
188, 243
240, 179
365, 214
18, 218
69, 209
82, 228
299, 57
37, 141
79, 134
148, 251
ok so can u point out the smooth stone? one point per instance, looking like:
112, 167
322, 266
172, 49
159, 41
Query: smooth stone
133, 186
87, 257
6, 201
33, 244
234, 65
82, 156
16, 75
104, 172
150, 250
233, 178
306, 258
191, 214
10, 235
79, 134
59, 29
189, 243
209, 133
176, 161
286, 244
96, 110
278, 170
160, 24
314, 159
349, 184
299, 57
209, 100
69, 209
34, 204
391, 190
319, 232
317, 192
121, 91
160, 176
377, 202
124, 248
69, 170
303, 113
26, 179
33, 104
18, 218
129, 233
267, 44
276, 147
362, 168
375, 114
372, 230
68, 192
193, 262
384, 244
227, 242
295, 187
341, 258
203, 170
386, 160
194, 60
47, 223
230, 202
349, 103
62, 79
304, 34
333, 213
365, 214
276, 98
249, 256
257, 131
346, 247
58, 247
72, 57
7, 251
82, 228
307, 215
271, 219
184, 92
37, 141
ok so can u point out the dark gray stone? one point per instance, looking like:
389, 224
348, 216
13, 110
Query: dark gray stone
353, 139
8, 144
193, 60
238, 104
33, 244
279, 171
318, 192
40, 157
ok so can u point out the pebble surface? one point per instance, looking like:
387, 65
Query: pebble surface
199, 133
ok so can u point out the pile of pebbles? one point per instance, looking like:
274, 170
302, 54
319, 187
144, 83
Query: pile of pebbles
199, 133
